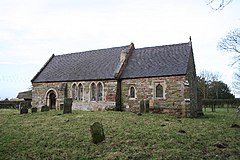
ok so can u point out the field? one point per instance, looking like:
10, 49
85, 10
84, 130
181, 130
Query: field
53, 135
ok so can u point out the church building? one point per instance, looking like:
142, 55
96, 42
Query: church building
119, 78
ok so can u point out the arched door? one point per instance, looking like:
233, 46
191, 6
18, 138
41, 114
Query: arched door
51, 99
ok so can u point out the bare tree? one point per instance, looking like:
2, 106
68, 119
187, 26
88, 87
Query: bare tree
236, 83
205, 81
218, 4
231, 44
210, 76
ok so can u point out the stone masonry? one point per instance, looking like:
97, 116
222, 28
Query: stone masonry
174, 101
40, 95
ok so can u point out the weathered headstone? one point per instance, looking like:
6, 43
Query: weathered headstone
147, 106
97, 132
23, 111
44, 108
34, 110
67, 107
141, 106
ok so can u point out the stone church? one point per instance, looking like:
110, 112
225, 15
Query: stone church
120, 77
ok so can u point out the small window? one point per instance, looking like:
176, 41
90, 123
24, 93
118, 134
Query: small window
159, 91
132, 92
80, 92
93, 92
74, 91
99, 92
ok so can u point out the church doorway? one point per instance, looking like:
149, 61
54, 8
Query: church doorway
51, 99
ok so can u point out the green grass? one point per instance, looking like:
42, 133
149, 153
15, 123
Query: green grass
49, 135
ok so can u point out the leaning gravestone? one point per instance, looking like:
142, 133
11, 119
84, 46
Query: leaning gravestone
67, 107
23, 111
97, 132
34, 110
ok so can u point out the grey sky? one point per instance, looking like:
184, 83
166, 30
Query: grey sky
32, 30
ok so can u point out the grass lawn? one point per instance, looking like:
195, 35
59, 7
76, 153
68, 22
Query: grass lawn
52, 135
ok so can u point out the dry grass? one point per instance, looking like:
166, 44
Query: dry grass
52, 135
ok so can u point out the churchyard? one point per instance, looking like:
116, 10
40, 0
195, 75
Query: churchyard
54, 135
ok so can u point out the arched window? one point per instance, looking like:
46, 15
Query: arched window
159, 91
74, 91
93, 92
99, 92
132, 92
80, 92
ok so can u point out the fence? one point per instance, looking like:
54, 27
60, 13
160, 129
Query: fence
220, 103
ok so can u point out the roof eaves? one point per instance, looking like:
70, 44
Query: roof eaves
137, 77
76, 80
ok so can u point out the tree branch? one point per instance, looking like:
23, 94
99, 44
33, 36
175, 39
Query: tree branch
220, 4
231, 43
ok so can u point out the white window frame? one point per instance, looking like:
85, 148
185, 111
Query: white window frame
129, 92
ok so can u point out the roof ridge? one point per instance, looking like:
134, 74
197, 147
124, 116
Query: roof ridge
91, 50
186, 43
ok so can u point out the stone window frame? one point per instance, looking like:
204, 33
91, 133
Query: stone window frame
163, 84
100, 83
74, 92
129, 92
91, 92
96, 92
79, 95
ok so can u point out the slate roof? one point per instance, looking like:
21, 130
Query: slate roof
101, 64
158, 61
89, 65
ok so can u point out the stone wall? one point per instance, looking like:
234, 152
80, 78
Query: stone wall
195, 106
40, 90
178, 98
64, 90
174, 101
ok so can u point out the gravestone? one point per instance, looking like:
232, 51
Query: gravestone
34, 110
44, 108
23, 111
67, 107
147, 106
97, 132
141, 106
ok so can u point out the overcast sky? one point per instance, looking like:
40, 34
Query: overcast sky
32, 30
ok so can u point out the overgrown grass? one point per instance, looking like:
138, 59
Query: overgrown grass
52, 135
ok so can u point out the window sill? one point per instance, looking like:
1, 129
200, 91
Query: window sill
160, 98
132, 98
